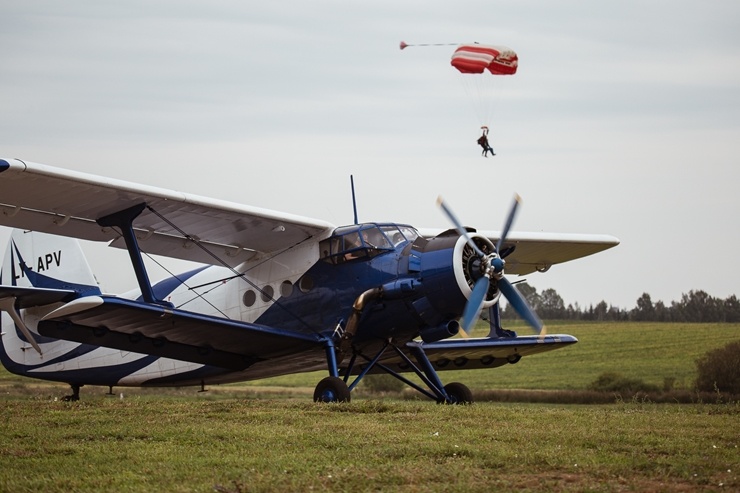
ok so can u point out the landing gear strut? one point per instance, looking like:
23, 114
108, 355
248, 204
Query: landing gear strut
336, 389
75, 394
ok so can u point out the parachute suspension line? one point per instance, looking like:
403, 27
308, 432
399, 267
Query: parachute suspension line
477, 95
236, 274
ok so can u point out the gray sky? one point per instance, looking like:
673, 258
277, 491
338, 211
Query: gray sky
623, 119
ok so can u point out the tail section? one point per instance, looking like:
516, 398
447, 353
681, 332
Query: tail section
39, 273
46, 261
42, 272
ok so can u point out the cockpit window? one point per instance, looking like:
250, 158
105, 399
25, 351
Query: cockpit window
399, 234
374, 238
364, 240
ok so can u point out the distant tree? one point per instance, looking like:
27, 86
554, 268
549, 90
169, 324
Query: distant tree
600, 311
662, 312
644, 311
529, 293
731, 309
696, 306
573, 312
616, 314
551, 305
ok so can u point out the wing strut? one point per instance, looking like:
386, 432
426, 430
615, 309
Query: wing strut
124, 220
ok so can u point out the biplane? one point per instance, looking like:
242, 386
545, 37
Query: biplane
272, 293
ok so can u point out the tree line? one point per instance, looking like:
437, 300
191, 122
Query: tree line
696, 306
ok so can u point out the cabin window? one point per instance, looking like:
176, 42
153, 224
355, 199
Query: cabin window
305, 283
286, 289
267, 293
249, 298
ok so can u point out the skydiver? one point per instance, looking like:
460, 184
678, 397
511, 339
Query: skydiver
483, 142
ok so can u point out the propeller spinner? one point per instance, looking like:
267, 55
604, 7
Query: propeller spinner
492, 271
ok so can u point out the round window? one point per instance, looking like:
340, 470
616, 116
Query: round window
249, 298
286, 289
267, 293
305, 284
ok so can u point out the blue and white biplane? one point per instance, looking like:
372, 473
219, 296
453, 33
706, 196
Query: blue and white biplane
275, 293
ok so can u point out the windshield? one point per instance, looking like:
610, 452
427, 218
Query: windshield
364, 240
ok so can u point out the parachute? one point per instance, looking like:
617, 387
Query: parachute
478, 66
475, 58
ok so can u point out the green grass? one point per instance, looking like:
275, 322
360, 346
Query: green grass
650, 352
257, 437
220, 443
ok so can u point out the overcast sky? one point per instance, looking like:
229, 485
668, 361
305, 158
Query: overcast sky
623, 119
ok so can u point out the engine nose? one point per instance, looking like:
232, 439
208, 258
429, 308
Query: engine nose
449, 268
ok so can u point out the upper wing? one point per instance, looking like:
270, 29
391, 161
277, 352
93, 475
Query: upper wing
62, 202
540, 251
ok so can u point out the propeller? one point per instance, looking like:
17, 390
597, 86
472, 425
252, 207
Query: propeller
492, 270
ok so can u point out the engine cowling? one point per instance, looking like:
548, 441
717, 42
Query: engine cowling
449, 268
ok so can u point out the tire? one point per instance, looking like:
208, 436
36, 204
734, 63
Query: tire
458, 393
331, 389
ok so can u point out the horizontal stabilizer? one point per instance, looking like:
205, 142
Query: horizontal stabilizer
30, 297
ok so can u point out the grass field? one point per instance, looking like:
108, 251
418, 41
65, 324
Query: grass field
651, 352
230, 444
257, 437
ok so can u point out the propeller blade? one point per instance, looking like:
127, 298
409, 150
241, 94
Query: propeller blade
509, 222
458, 225
520, 305
474, 304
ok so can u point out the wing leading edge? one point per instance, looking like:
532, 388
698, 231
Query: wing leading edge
540, 251
68, 203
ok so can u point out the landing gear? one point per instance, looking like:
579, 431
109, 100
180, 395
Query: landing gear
458, 393
331, 389
75, 394
336, 389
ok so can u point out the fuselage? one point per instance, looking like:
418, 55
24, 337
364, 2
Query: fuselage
381, 281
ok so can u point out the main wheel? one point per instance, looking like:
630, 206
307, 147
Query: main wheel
331, 389
458, 393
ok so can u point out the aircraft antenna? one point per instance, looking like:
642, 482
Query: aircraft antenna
354, 200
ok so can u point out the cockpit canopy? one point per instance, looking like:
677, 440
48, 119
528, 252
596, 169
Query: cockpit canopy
364, 240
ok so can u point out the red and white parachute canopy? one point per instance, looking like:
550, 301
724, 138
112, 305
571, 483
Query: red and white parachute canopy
475, 58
